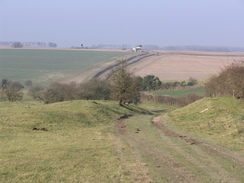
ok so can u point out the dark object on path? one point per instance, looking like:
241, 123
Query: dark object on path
124, 116
39, 129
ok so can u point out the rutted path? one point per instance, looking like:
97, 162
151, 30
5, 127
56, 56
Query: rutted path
160, 151
204, 160
139, 172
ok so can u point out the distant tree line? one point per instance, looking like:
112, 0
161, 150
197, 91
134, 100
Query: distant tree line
128, 47
17, 44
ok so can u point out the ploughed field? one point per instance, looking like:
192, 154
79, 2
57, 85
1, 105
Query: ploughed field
181, 65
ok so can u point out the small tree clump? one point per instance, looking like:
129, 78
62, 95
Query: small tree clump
17, 45
150, 82
192, 81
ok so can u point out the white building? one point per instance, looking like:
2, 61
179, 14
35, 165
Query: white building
137, 49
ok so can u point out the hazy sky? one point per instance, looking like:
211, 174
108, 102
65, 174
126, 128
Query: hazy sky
160, 22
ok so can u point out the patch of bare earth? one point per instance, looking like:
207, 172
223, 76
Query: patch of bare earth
183, 65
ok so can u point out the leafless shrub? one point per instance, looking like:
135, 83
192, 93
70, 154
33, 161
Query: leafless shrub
170, 100
12, 92
36, 92
58, 92
229, 82
94, 89
28, 83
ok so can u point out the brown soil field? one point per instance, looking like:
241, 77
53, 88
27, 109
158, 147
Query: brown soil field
181, 65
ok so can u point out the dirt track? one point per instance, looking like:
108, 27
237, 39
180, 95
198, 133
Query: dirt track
204, 158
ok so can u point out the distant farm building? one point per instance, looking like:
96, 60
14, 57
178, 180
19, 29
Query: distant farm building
137, 49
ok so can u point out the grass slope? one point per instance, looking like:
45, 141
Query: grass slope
77, 146
44, 66
218, 119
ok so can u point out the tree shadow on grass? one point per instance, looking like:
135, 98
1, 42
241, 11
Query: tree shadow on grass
136, 109
159, 111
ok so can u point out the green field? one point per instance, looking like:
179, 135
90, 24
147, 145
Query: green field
182, 93
46, 66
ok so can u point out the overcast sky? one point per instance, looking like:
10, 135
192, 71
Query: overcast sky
149, 22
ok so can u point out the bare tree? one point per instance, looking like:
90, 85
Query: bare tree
229, 82
36, 92
28, 83
94, 89
125, 87
12, 92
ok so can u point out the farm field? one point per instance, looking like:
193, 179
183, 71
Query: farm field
181, 93
181, 65
44, 66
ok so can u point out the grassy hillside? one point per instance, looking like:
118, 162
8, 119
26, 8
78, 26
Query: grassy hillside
44, 66
82, 141
61, 142
218, 119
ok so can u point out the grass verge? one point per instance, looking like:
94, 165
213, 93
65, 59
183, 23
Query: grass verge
218, 119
